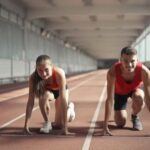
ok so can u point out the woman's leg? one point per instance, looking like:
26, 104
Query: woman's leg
45, 108
44, 104
58, 108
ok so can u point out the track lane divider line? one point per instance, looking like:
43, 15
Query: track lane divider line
35, 108
87, 142
24, 91
15, 119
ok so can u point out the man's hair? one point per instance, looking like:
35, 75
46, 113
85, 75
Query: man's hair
128, 51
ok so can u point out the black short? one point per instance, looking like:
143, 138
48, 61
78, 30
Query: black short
56, 92
121, 101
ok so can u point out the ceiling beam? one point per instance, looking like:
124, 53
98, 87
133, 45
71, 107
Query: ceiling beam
102, 39
84, 11
103, 33
102, 25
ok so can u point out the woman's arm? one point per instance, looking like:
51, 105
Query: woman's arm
63, 97
30, 105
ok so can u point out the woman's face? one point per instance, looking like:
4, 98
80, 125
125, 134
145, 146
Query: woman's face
44, 69
129, 62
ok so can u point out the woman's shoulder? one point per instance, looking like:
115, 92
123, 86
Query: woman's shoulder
59, 72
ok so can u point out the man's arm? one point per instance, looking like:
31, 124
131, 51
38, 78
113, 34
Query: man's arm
29, 106
146, 81
109, 99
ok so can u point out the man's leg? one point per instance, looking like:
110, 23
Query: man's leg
137, 105
120, 105
137, 101
120, 118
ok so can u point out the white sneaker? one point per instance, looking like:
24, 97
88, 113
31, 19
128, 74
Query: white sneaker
70, 112
47, 127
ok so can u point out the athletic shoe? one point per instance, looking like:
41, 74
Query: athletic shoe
137, 125
71, 112
47, 127
71, 105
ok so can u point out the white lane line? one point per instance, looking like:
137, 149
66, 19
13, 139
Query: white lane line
15, 119
88, 138
82, 83
12, 94
35, 108
24, 91
81, 76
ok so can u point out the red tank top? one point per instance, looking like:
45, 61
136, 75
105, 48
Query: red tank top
121, 86
54, 85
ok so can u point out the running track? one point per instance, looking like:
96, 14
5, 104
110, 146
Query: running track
88, 92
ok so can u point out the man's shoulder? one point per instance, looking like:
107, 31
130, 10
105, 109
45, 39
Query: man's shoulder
111, 71
145, 74
145, 70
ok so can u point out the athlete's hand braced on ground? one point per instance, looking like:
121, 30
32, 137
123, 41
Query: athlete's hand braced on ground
106, 132
27, 131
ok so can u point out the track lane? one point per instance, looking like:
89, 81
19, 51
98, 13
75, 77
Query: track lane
80, 126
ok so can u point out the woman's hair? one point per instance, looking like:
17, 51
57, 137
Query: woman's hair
38, 83
128, 51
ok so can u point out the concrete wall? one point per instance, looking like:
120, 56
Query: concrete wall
21, 43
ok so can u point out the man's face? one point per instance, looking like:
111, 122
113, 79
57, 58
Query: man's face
129, 62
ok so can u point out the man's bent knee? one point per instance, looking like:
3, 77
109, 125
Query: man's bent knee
120, 118
138, 98
120, 123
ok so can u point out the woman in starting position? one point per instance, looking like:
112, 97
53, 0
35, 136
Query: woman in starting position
48, 83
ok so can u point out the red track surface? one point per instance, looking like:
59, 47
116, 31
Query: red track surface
87, 91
